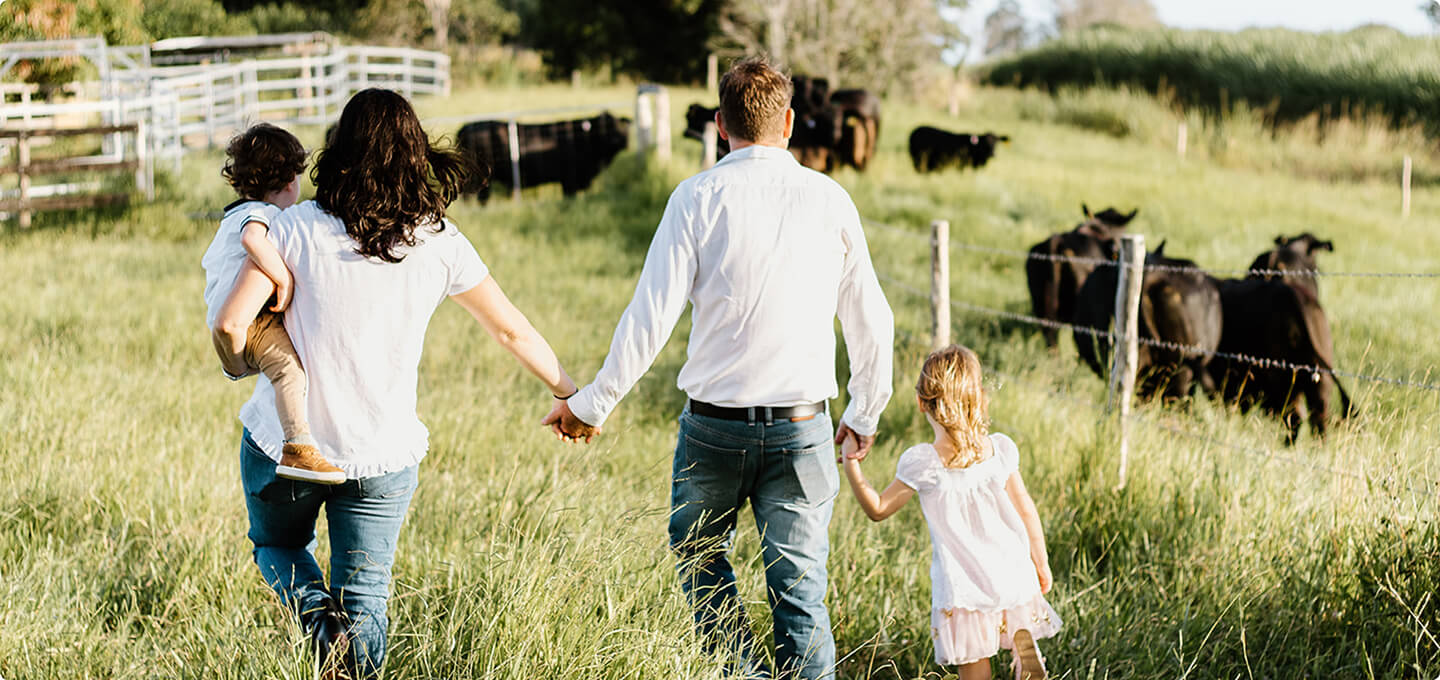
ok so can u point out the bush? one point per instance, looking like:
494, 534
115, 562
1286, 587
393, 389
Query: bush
1287, 74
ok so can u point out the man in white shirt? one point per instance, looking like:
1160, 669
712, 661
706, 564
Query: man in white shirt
769, 253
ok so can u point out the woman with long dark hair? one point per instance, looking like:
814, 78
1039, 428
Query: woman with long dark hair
372, 256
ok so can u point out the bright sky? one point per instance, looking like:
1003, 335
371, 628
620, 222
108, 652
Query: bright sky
1229, 15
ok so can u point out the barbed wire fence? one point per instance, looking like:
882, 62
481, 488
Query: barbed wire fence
1422, 488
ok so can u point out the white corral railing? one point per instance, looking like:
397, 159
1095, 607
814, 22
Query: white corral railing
191, 107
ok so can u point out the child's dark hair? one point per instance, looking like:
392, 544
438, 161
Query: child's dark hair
383, 178
262, 159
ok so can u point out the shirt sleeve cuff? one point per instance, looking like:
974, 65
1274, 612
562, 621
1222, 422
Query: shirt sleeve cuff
865, 426
583, 405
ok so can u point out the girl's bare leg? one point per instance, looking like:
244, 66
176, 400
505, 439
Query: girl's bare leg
975, 670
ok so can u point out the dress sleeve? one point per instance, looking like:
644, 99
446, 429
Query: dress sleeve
467, 270
913, 470
1009, 453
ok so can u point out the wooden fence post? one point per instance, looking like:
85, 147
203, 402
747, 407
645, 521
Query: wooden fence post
642, 119
1127, 328
939, 284
662, 124
1405, 187
512, 131
22, 166
711, 143
712, 73
1182, 134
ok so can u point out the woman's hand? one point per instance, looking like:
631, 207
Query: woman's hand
566, 426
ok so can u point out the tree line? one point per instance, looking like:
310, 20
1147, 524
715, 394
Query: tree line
885, 47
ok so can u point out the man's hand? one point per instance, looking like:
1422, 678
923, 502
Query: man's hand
862, 442
283, 294
566, 426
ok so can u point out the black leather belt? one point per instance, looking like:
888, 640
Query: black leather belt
765, 414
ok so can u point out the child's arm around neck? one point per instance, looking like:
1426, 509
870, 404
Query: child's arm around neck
877, 506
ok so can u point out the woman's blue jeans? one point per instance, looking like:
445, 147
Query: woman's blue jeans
786, 471
365, 516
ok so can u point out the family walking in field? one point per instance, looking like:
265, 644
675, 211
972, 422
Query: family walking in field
329, 299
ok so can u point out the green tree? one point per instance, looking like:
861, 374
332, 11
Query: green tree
1072, 15
851, 42
661, 40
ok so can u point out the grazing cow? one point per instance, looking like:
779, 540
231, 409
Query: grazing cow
1271, 320
1179, 307
1292, 255
1055, 282
695, 119
933, 149
570, 152
811, 96
858, 113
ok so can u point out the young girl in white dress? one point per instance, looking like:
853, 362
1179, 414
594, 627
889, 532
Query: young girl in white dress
990, 570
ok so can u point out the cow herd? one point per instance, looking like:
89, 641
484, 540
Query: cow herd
1247, 341
832, 129
842, 128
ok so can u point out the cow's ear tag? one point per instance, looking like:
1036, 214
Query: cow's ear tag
974, 139
585, 125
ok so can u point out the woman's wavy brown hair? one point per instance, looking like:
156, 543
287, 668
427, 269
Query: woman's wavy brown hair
383, 178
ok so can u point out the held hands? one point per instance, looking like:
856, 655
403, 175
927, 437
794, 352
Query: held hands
860, 443
566, 426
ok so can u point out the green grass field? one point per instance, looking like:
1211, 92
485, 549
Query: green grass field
122, 528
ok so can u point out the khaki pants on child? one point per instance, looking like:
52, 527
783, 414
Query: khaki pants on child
268, 349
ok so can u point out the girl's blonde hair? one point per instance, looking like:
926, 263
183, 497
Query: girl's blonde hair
950, 392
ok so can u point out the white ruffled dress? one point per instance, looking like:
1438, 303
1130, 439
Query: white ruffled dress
983, 584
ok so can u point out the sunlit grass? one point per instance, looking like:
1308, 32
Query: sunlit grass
122, 530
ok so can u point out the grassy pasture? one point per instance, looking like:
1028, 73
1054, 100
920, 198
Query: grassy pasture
122, 548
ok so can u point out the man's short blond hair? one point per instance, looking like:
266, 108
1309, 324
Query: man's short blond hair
753, 99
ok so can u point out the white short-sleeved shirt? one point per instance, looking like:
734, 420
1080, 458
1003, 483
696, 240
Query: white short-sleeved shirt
981, 550
358, 325
225, 256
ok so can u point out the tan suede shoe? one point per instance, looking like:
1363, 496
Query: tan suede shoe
1029, 665
302, 462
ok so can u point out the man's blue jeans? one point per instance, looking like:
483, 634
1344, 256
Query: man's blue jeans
365, 516
786, 470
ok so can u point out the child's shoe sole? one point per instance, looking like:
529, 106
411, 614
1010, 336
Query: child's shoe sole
1030, 666
313, 476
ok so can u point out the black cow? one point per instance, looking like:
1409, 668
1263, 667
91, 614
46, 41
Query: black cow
570, 152
1179, 307
1271, 320
933, 149
1055, 282
811, 96
695, 119
1291, 255
858, 113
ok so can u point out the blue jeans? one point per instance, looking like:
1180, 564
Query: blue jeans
787, 472
364, 515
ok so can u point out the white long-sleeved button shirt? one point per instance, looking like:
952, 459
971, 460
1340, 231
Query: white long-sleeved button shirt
769, 253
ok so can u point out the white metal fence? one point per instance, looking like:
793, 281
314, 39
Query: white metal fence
188, 107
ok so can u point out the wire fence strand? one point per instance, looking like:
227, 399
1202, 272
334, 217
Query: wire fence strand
1182, 269
1063, 394
1259, 362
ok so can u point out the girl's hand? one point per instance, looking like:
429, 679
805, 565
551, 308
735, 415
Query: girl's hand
848, 447
283, 293
1042, 570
